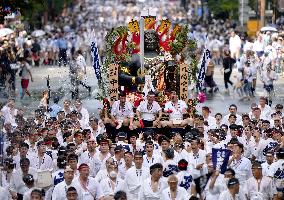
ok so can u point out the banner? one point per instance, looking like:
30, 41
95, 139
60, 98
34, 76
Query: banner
220, 159
95, 57
202, 69
113, 83
183, 88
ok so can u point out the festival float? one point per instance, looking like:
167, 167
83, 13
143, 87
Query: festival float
147, 55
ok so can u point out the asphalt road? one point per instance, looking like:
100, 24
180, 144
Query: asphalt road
60, 84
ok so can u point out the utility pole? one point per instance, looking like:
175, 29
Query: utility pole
262, 12
244, 10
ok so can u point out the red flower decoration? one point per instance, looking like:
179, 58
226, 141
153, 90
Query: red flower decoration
169, 111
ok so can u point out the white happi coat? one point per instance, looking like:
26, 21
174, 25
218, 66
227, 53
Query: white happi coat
146, 192
59, 191
263, 191
122, 113
242, 168
181, 194
134, 179
177, 109
226, 195
219, 186
93, 191
107, 189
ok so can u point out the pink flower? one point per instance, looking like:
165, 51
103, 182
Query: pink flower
201, 97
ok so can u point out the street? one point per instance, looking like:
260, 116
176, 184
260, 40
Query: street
60, 84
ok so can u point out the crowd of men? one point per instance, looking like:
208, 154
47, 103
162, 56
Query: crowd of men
138, 153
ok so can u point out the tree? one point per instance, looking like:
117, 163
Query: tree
225, 8
32, 10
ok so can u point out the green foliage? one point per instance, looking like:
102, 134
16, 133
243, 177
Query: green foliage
224, 6
253, 4
180, 41
110, 40
111, 57
33, 10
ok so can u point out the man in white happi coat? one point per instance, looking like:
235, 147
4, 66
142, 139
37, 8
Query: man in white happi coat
59, 191
147, 112
232, 110
91, 158
153, 186
211, 121
235, 44
233, 192
95, 127
84, 112
9, 112
198, 159
71, 193
112, 183
185, 178
150, 158
174, 191
134, 177
42, 161
269, 156
104, 152
87, 187
265, 109
17, 185
240, 164
72, 161
259, 186
121, 113
276, 172
215, 185
119, 157
23, 153
176, 108
128, 158
103, 173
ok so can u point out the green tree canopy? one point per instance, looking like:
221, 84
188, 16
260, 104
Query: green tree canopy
229, 7
32, 10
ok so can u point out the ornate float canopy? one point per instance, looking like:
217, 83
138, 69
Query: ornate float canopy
124, 41
166, 46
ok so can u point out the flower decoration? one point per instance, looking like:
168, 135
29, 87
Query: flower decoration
106, 104
201, 97
191, 106
169, 111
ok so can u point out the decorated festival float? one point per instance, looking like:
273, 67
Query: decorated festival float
151, 55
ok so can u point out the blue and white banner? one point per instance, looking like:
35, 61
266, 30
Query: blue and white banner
96, 57
202, 68
220, 159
